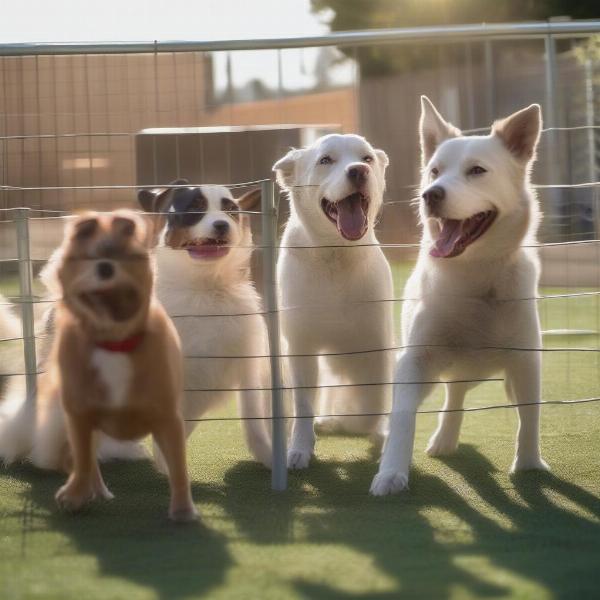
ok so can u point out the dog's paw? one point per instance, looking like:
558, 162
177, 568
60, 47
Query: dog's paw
298, 459
389, 482
72, 498
101, 491
526, 463
440, 445
183, 514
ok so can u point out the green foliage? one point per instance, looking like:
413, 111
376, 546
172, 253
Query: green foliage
343, 15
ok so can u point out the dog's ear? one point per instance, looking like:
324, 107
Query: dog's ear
250, 200
83, 227
383, 158
520, 132
285, 168
129, 224
433, 129
157, 199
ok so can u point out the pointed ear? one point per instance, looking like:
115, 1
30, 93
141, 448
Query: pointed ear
433, 129
156, 199
520, 132
285, 168
250, 200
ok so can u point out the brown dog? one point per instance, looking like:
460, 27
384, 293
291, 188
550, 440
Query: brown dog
116, 357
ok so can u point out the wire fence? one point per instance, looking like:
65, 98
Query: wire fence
19, 223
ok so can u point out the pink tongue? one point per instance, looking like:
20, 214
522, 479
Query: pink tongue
207, 251
450, 234
351, 218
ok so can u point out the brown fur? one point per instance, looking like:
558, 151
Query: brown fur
152, 402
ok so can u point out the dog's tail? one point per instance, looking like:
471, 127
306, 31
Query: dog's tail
17, 422
10, 326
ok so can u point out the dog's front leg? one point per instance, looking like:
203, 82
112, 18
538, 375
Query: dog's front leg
523, 382
305, 374
169, 435
79, 488
412, 386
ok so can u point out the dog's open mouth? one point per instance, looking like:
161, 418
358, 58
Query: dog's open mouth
350, 215
207, 248
456, 235
118, 303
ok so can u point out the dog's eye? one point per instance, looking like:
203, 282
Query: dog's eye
435, 171
325, 160
229, 205
368, 158
476, 170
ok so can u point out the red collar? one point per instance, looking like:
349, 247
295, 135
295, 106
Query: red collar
127, 345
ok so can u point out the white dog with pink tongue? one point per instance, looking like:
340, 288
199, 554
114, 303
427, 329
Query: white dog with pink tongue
472, 306
336, 287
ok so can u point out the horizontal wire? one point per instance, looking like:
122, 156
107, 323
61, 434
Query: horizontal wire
347, 246
387, 414
544, 130
16, 301
22, 374
150, 186
135, 134
415, 245
336, 385
67, 215
12, 188
393, 349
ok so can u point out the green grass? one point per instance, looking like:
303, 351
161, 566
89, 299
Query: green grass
466, 529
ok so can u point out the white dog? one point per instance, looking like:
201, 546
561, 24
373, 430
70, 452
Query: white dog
335, 287
472, 291
203, 281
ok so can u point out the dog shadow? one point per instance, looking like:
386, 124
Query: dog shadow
131, 536
403, 543
327, 504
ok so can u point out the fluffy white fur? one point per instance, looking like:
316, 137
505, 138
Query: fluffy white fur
116, 372
191, 290
330, 295
10, 326
473, 300
14, 435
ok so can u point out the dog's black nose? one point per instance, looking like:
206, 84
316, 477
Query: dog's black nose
221, 227
105, 270
358, 174
433, 196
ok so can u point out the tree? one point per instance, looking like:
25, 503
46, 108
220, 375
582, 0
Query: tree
346, 15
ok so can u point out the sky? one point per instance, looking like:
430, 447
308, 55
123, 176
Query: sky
141, 20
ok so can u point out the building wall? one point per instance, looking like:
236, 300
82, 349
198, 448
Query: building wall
69, 121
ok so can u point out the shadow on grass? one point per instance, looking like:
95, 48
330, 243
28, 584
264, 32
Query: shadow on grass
535, 532
131, 536
543, 542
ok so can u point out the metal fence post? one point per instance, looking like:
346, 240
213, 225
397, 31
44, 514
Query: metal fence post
26, 299
551, 120
269, 264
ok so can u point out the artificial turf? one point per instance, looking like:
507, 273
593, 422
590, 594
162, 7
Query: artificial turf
466, 529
